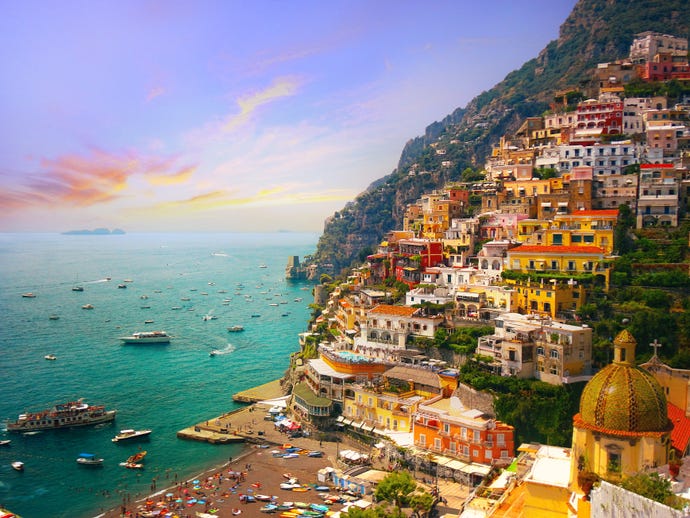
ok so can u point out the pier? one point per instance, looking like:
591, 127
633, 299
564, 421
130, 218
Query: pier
245, 424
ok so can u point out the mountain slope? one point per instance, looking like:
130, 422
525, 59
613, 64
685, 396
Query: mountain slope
595, 31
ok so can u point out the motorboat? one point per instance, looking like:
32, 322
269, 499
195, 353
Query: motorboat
78, 288
209, 317
147, 337
149, 321
50, 357
132, 465
54, 317
5, 442
18, 465
122, 286
87, 306
28, 295
63, 415
130, 434
89, 459
235, 329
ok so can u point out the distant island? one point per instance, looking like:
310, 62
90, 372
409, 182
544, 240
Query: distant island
95, 232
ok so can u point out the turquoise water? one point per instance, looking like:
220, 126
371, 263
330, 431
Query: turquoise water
162, 387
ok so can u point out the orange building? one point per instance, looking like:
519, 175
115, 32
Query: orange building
446, 426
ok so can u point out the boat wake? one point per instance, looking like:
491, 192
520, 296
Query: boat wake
226, 350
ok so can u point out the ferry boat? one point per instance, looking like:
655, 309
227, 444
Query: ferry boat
129, 434
63, 415
147, 337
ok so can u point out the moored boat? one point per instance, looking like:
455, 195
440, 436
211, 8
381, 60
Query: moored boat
5, 442
147, 337
63, 415
89, 459
50, 357
235, 329
87, 306
28, 295
130, 434
18, 465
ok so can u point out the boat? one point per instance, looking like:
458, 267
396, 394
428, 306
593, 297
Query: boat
87, 306
205, 318
50, 357
298, 299
28, 295
63, 415
136, 457
5, 442
256, 315
78, 288
215, 352
130, 434
235, 329
89, 459
263, 266
122, 286
269, 508
18, 465
147, 337
149, 321
53, 317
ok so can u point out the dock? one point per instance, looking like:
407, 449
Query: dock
241, 425
270, 390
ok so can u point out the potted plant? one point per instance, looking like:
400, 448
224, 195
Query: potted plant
674, 464
586, 481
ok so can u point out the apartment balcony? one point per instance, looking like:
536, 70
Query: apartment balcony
443, 433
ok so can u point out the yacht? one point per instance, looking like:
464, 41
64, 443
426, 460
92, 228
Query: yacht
63, 415
129, 434
89, 459
147, 337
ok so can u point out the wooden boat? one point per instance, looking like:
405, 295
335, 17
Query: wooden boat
136, 457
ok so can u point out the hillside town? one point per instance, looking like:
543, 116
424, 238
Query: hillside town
517, 254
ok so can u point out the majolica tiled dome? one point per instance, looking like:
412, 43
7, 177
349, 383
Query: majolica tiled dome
623, 397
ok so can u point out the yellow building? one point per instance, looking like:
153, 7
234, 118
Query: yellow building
388, 405
560, 259
623, 425
547, 298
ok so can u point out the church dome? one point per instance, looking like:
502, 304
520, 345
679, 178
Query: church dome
622, 397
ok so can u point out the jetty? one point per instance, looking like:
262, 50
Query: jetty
270, 390
244, 424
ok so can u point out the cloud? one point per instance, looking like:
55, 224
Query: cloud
281, 87
155, 92
96, 177
181, 176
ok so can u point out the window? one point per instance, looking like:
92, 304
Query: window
571, 265
558, 239
500, 439
540, 351
554, 354
422, 439
475, 436
466, 450
463, 433
487, 454
437, 443
614, 462
446, 427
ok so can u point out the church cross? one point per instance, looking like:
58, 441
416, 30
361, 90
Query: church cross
655, 344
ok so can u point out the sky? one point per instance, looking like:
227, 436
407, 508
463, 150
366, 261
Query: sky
233, 116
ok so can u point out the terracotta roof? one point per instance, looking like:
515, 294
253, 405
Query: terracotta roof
556, 249
388, 309
601, 212
656, 166
416, 375
680, 435
579, 423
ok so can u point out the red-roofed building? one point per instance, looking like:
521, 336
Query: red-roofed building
390, 327
680, 435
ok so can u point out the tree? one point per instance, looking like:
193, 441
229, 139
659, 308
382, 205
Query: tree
654, 487
396, 488
373, 512
421, 503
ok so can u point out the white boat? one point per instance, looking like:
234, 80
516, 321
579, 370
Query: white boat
5, 442
87, 306
28, 295
89, 459
50, 357
63, 415
18, 465
235, 329
130, 434
209, 317
147, 337
54, 317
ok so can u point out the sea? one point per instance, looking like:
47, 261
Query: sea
173, 280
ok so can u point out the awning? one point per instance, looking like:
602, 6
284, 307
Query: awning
340, 419
478, 469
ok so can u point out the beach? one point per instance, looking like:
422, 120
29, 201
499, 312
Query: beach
218, 490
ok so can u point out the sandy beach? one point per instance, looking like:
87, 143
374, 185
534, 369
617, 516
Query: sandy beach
256, 471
